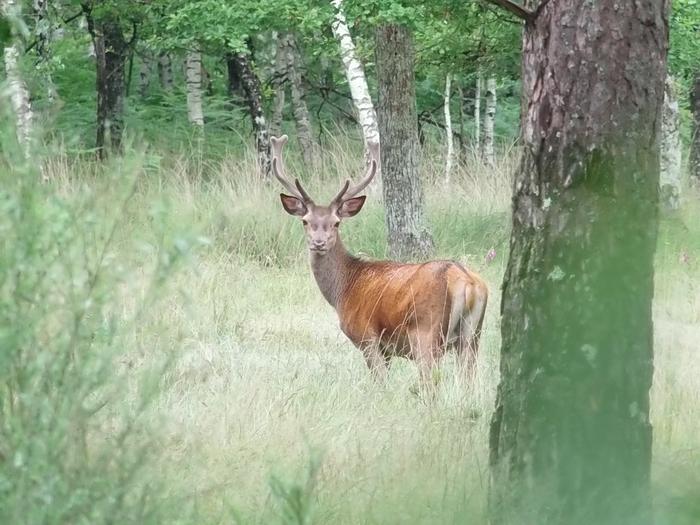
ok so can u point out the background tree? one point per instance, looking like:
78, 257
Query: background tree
571, 437
403, 192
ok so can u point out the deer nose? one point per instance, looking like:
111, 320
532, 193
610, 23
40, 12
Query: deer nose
318, 243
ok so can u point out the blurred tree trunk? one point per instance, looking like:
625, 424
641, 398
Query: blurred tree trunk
18, 92
670, 179
193, 79
43, 33
165, 72
570, 437
477, 111
110, 53
460, 124
449, 156
489, 119
300, 109
145, 72
279, 80
403, 191
694, 160
356, 78
253, 93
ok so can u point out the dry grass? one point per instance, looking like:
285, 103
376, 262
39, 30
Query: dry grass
265, 384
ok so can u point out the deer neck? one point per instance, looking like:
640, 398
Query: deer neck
332, 272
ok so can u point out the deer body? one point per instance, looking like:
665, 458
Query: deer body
388, 308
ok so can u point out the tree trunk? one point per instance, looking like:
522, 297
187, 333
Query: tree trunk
670, 180
477, 111
403, 191
489, 117
18, 92
193, 79
279, 81
449, 157
165, 72
356, 77
694, 161
145, 71
110, 51
570, 437
253, 93
44, 33
300, 109
462, 120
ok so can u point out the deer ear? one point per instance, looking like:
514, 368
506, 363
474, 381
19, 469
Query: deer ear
293, 206
351, 207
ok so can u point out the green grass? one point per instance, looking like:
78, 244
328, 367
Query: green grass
208, 381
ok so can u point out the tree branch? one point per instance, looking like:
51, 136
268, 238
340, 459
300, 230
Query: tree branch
513, 8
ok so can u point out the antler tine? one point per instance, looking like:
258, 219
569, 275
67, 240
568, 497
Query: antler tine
277, 144
336, 200
369, 175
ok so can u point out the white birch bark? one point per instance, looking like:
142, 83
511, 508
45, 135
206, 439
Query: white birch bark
670, 179
18, 92
489, 117
477, 112
356, 76
193, 79
449, 159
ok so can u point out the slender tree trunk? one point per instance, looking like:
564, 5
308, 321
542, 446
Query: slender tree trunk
110, 51
489, 118
670, 180
694, 161
462, 120
403, 191
570, 438
165, 72
193, 78
477, 111
279, 81
253, 93
18, 92
44, 34
300, 109
449, 157
356, 77
145, 72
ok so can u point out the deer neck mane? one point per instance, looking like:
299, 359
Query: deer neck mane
333, 271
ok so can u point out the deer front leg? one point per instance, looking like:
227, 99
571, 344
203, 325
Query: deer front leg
424, 352
376, 361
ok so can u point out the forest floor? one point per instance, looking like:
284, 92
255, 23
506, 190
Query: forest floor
266, 413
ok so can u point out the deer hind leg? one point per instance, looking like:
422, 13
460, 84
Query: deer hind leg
470, 328
377, 362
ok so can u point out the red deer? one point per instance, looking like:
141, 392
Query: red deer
386, 308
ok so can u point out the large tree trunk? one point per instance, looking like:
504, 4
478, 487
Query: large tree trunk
670, 180
694, 161
449, 155
193, 78
489, 119
356, 77
253, 93
110, 53
570, 437
18, 92
403, 191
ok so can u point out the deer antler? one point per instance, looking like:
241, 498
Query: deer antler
278, 170
348, 192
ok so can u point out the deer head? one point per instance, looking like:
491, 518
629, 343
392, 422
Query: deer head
321, 223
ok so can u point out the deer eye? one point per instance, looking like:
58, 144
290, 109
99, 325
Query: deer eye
336, 224
305, 223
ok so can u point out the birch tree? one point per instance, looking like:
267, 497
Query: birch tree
489, 118
18, 92
477, 110
449, 156
193, 78
356, 76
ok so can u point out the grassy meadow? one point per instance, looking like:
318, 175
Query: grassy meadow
167, 357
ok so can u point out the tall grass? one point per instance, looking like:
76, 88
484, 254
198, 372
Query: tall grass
168, 358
